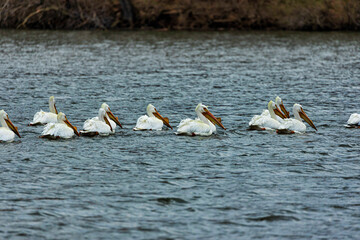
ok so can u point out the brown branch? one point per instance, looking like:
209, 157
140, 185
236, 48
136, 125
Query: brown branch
37, 12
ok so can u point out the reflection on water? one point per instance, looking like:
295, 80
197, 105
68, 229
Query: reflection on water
236, 183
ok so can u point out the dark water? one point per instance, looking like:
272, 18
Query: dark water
151, 185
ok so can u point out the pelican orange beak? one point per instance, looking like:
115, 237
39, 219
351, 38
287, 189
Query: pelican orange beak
165, 120
212, 118
306, 119
286, 113
12, 127
72, 127
279, 113
112, 117
108, 123
56, 111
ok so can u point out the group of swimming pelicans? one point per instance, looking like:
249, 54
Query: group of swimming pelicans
276, 117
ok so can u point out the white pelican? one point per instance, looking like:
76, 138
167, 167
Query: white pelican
280, 114
152, 121
61, 129
112, 119
7, 129
99, 126
202, 126
46, 117
296, 125
267, 122
110, 116
354, 121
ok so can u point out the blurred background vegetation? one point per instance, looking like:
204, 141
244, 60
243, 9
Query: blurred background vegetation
181, 14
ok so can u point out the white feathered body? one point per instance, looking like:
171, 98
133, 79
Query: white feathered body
264, 121
96, 125
354, 119
112, 123
58, 130
266, 113
196, 127
267, 120
6, 135
293, 125
148, 123
44, 118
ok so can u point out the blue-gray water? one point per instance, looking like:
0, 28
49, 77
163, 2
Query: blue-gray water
150, 185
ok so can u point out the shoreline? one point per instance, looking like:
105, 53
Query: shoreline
165, 15
184, 30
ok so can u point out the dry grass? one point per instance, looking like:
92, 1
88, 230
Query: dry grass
60, 14
182, 14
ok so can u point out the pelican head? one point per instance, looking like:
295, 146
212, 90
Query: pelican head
61, 118
105, 107
152, 112
279, 102
201, 109
150, 109
4, 117
52, 106
110, 114
102, 116
299, 112
273, 107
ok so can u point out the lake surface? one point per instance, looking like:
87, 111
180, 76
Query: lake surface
236, 184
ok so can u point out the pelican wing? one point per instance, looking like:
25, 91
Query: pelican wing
266, 113
293, 125
49, 129
148, 123
256, 120
58, 130
6, 135
354, 119
194, 127
262, 121
112, 123
44, 118
92, 125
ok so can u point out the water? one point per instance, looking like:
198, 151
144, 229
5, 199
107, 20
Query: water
153, 185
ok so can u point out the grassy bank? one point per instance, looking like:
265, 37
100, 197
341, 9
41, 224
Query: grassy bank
181, 14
